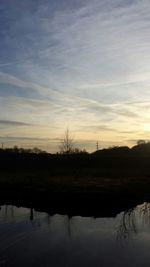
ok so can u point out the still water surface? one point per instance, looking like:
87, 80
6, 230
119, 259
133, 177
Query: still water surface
30, 238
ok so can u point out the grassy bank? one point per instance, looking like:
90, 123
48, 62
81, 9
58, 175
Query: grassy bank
118, 175
77, 193
83, 181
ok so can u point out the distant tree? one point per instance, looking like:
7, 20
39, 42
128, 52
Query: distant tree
141, 142
15, 149
36, 150
66, 146
77, 150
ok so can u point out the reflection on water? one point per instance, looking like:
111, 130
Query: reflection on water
31, 238
134, 221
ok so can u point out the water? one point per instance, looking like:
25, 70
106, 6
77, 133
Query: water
30, 238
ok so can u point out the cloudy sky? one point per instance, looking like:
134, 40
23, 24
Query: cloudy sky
79, 64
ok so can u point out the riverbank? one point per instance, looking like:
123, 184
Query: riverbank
73, 195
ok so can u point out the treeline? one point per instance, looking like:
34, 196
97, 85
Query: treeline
101, 162
142, 148
20, 150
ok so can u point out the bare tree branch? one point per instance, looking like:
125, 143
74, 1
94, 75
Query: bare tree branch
66, 146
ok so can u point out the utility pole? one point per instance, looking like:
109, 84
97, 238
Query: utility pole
2, 145
97, 146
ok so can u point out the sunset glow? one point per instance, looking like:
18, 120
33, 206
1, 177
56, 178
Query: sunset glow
82, 65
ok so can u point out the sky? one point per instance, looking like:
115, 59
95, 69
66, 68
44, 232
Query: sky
82, 65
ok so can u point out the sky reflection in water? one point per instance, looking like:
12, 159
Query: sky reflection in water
30, 238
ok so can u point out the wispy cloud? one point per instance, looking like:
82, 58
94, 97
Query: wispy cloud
13, 123
26, 138
98, 128
75, 63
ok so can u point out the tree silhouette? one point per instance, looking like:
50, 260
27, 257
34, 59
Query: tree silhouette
141, 142
66, 146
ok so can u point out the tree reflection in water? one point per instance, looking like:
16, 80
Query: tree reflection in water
133, 220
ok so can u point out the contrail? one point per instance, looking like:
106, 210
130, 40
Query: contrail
39, 53
14, 62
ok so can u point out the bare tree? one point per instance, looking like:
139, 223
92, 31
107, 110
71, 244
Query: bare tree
66, 146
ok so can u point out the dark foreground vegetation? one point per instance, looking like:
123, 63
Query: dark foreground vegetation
110, 179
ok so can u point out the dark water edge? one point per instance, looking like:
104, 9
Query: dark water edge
72, 204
